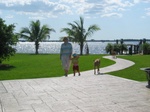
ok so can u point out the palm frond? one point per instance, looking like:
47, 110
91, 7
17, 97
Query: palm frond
91, 30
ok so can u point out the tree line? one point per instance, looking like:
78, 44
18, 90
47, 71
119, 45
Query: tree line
143, 47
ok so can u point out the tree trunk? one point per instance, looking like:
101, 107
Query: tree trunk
81, 48
36, 47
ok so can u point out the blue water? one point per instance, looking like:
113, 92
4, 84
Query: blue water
54, 47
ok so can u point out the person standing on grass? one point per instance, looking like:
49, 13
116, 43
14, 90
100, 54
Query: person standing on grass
75, 63
65, 55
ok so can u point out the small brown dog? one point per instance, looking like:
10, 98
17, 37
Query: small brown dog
97, 66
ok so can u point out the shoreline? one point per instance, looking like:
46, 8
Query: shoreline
92, 40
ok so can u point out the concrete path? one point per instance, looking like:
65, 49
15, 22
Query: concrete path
85, 93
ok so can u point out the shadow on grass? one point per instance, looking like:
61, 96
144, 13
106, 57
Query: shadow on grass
6, 67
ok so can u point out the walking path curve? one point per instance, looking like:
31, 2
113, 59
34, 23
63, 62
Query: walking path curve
85, 93
119, 65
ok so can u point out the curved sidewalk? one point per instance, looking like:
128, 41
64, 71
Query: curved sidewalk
85, 93
119, 65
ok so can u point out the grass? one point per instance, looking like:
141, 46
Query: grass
25, 66
134, 72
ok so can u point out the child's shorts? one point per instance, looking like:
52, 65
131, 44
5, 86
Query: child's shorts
75, 67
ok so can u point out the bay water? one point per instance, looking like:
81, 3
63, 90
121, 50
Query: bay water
54, 47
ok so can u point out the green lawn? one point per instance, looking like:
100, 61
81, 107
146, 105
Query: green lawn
25, 66
134, 72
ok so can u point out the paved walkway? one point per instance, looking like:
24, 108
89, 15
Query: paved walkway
85, 93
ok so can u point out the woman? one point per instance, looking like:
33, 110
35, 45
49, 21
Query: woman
65, 55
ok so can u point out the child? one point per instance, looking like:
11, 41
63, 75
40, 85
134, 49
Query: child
75, 64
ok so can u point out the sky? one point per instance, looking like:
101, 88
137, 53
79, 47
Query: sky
117, 19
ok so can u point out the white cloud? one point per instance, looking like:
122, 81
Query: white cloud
82, 8
62, 9
15, 2
36, 18
146, 1
9, 16
136, 1
71, 1
48, 3
121, 9
35, 7
106, 8
112, 14
119, 3
40, 14
109, 9
148, 11
53, 8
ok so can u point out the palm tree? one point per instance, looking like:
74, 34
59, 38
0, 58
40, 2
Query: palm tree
123, 47
77, 33
109, 48
116, 48
36, 33
146, 48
